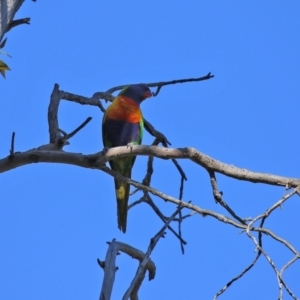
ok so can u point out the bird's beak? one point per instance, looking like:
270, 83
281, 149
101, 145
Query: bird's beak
148, 94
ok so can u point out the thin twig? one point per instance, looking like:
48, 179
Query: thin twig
68, 136
203, 212
228, 284
18, 22
180, 214
178, 167
272, 264
297, 256
136, 202
12, 145
273, 207
160, 136
149, 172
148, 200
160, 84
2, 44
153, 242
218, 196
134, 192
94, 100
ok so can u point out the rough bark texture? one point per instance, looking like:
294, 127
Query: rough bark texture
8, 9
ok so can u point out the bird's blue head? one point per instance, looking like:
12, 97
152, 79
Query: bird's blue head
136, 92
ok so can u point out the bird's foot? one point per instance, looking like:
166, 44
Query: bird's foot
105, 149
130, 145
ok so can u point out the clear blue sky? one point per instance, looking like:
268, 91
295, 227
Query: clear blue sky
55, 220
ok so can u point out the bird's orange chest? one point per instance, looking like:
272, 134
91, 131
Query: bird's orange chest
124, 109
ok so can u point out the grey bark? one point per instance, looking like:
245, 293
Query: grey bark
8, 9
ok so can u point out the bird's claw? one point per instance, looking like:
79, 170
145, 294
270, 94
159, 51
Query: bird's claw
105, 149
130, 145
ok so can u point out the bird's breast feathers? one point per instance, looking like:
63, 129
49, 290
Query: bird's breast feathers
124, 109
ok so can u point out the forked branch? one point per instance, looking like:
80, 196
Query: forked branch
51, 153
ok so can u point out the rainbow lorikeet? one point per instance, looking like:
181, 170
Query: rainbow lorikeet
122, 125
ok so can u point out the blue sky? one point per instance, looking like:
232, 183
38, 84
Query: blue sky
56, 219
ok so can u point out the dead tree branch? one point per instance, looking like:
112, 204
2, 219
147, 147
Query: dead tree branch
18, 22
8, 9
160, 84
109, 265
153, 242
52, 153
95, 161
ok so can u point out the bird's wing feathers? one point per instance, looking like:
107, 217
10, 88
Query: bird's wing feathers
122, 125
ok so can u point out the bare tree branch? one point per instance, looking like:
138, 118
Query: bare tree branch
153, 242
12, 147
228, 284
109, 265
147, 199
8, 9
110, 269
218, 196
71, 134
272, 264
160, 84
159, 136
53, 153
18, 22
98, 159
274, 206
94, 101
53, 113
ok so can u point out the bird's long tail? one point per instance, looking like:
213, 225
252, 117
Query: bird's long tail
122, 194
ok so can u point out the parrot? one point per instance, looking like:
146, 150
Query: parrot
123, 125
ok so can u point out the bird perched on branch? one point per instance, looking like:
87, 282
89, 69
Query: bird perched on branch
123, 125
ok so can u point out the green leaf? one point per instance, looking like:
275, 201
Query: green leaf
3, 67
